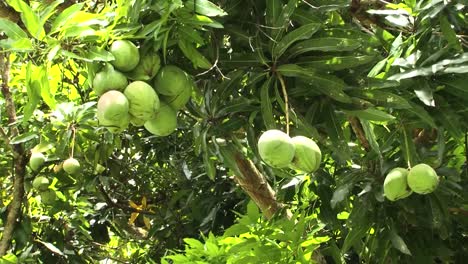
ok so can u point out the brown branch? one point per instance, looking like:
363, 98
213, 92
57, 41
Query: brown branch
257, 187
8, 12
357, 128
20, 158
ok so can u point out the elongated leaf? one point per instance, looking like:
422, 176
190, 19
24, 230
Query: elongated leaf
385, 99
12, 30
281, 22
205, 7
30, 19
326, 84
371, 114
449, 34
198, 60
95, 54
424, 92
371, 137
24, 138
336, 63
353, 237
399, 243
46, 92
422, 113
65, 16
407, 146
325, 44
51, 247
273, 10
303, 32
266, 105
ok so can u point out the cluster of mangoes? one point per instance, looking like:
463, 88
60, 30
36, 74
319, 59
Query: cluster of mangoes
278, 150
151, 99
401, 183
42, 183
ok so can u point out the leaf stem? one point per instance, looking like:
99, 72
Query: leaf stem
286, 101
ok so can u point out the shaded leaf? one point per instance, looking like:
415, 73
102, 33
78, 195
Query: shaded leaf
266, 105
371, 114
205, 7
399, 243
303, 32
324, 44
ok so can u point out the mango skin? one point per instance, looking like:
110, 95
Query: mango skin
126, 55
36, 160
178, 102
41, 183
71, 166
423, 179
112, 106
143, 100
171, 81
164, 122
307, 155
109, 79
396, 185
115, 127
147, 68
276, 148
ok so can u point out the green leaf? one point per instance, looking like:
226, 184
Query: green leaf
51, 247
340, 194
12, 30
424, 92
96, 54
407, 146
24, 138
335, 63
283, 19
9, 259
252, 211
273, 10
353, 237
266, 105
325, 45
422, 113
449, 34
399, 243
30, 19
303, 32
205, 7
324, 83
65, 16
371, 137
46, 92
371, 114
198, 60
385, 99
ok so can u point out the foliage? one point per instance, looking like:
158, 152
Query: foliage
377, 85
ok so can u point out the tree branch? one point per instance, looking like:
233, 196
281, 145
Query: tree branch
257, 187
20, 158
357, 128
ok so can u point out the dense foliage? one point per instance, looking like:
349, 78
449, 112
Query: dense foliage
377, 84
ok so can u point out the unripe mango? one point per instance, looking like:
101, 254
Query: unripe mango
41, 183
71, 166
164, 122
109, 79
112, 106
423, 179
395, 184
307, 155
276, 148
126, 55
36, 160
143, 100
